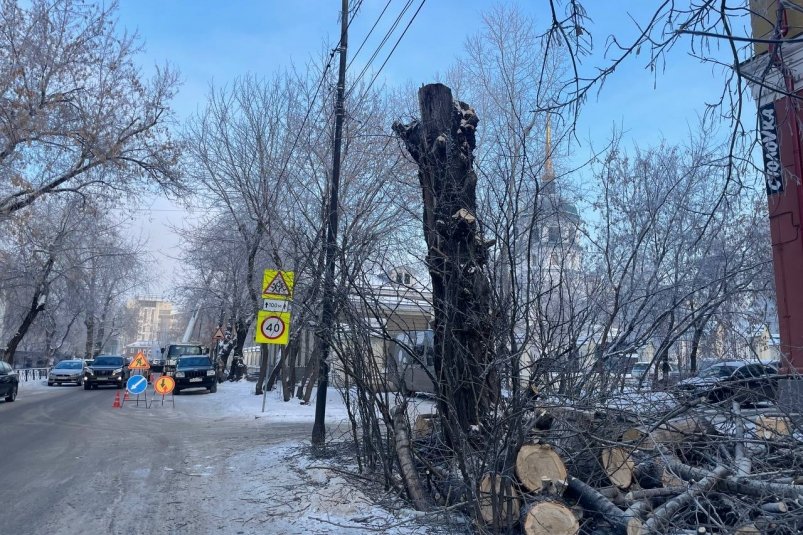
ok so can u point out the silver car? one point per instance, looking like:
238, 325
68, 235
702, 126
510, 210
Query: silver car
67, 371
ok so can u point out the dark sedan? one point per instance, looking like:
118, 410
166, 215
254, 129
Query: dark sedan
746, 382
109, 370
9, 382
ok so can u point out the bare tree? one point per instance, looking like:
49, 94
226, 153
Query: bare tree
76, 114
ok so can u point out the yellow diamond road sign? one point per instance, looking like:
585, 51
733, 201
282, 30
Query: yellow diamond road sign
277, 285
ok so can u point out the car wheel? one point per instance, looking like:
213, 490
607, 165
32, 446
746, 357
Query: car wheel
13, 395
213, 388
79, 383
94, 387
119, 386
87, 386
50, 383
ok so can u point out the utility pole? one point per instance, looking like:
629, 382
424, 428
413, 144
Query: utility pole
327, 313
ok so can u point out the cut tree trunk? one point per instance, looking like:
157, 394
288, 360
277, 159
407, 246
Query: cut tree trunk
549, 517
537, 464
442, 144
619, 466
404, 453
772, 427
499, 503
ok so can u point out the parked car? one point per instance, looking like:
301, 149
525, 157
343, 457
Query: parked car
9, 382
67, 371
195, 371
639, 370
252, 374
106, 370
411, 372
746, 382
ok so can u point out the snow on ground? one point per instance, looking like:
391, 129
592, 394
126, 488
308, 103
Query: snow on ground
301, 495
284, 489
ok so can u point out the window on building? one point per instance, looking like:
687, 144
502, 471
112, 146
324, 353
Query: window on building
553, 234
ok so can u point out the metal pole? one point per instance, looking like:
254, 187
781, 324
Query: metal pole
327, 313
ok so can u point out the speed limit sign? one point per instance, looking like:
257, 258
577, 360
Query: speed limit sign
272, 328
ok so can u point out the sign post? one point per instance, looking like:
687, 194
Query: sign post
163, 386
273, 321
137, 384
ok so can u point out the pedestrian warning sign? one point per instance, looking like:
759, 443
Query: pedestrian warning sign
277, 284
218, 334
140, 362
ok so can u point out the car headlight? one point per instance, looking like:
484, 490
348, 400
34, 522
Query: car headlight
51, 374
118, 370
179, 374
210, 372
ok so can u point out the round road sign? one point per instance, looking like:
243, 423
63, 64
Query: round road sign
136, 384
164, 385
272, 327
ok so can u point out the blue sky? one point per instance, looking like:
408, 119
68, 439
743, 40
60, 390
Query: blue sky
214, 41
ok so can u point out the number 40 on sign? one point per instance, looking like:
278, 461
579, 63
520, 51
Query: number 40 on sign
272, 328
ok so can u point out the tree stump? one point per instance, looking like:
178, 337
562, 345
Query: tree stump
537, 463
442, 143
772, 427
619, 466
549, 517
497, 493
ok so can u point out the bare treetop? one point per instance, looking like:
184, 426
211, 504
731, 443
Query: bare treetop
76, 114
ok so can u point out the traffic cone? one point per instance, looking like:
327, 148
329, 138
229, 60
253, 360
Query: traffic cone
116, 404
125, 397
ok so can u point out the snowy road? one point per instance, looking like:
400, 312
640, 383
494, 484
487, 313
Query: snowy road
215, 464
71, 464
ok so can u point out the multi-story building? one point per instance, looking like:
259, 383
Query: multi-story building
155, 319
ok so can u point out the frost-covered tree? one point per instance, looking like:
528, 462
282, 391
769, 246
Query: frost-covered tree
76, 113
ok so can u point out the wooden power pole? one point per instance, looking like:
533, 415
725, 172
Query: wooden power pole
327, 312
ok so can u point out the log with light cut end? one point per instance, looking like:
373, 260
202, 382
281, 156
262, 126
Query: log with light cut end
498, 492
424, 425
676, 432
772, 427
749, 529
619, 466
536, 463
549, 518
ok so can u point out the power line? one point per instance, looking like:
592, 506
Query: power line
367, 89
382, 43
369, 34
317, 90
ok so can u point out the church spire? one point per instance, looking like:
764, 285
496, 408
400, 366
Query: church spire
549, 169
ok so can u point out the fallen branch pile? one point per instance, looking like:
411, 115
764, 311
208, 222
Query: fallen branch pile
702, 469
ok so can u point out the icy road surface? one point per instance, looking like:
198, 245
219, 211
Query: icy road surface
71, 464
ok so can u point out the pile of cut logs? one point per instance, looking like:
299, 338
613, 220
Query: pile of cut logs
699, 470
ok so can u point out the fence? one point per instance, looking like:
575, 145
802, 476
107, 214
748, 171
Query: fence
32, 374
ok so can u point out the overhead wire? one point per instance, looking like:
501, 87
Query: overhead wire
392, 50
317, 90
371, 31
381, 45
